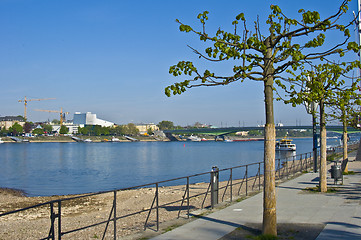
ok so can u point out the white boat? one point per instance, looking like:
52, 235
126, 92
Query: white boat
114, 139
194, 138
87, 140
1, 141
285, 144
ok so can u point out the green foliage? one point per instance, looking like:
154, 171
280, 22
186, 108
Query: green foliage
254, 52
264, 237
255, 133
16, 129
63, 129
322, 83
149, 131
55, 121
131, 129
96, 130
165, 125
47, 128
38, 131
3, 132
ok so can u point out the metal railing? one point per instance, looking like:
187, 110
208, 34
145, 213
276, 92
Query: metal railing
190, 193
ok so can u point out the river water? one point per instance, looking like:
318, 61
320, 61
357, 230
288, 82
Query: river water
44, 169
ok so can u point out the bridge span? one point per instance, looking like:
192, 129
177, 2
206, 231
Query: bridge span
225, 131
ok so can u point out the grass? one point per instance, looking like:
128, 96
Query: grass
170, 228
349, 173
263, 237
317, 189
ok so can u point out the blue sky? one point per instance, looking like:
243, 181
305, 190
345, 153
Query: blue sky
112, 58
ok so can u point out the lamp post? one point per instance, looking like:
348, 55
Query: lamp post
314, 132
311, 108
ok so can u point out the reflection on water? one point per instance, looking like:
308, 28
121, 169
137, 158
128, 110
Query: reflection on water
70, 168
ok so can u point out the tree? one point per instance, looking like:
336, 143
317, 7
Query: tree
47, 128
16, 129
38, 131
263, 58
3, 131
150, 131
55, 121
83, 130
165, 125
343, 109
27, 127
321, 84
117, 130
131, 129
63, 129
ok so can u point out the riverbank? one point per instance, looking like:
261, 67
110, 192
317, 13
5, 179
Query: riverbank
97, 139
132, 208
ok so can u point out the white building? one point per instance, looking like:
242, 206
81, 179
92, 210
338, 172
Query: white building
72, 129
90, 119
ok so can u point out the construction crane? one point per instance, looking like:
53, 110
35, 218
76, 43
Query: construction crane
25, 101
62, 114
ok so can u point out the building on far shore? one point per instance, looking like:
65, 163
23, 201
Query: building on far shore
8, 121
89, 118
143, 127
72, 128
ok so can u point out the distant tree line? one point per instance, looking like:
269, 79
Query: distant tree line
96, 130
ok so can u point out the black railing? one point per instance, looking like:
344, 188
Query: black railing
188, 194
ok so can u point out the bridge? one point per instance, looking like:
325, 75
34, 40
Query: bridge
221, 132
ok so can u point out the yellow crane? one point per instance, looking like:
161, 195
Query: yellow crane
25, 101
62, 114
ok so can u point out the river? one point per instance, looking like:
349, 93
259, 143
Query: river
45, 169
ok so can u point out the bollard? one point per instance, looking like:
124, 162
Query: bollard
214, 186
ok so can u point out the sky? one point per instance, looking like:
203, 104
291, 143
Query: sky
112, 58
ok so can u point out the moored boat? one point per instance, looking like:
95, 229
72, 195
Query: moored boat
114, 139
194, 138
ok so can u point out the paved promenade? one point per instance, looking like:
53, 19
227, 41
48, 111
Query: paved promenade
300, 214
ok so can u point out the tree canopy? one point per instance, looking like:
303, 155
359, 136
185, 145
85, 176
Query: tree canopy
165, 125
264, 55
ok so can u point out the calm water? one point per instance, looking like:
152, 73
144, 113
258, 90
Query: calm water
42, 169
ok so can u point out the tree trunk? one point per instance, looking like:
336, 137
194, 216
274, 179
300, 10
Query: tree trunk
269, 191
344, 142
323, 154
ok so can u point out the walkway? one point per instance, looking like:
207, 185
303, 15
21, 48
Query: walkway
300, 215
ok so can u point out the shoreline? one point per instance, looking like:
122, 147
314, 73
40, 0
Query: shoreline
98, 139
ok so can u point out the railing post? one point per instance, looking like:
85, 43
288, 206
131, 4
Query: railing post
231, 176
214, 186
188, 196
157, 206
246, 180
259, 176
59, 220
52, 219
115, 214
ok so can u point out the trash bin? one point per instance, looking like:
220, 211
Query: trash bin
336, 172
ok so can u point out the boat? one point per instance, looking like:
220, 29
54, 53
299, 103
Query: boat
87, 140
194, 139
1, 141
114, 139
285, 144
